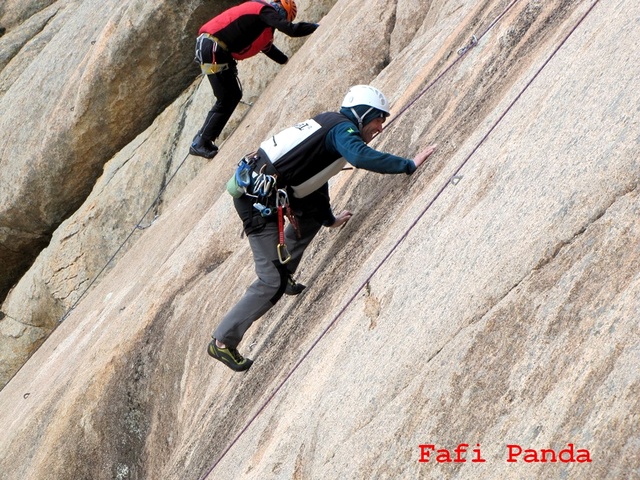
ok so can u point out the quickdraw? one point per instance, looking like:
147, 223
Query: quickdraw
283, 253
472, 43
282, 201
292, 220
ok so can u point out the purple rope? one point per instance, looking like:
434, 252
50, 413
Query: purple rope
444, 72
400, 240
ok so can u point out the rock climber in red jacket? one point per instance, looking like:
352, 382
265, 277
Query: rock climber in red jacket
238, 33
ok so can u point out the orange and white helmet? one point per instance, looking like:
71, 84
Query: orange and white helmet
290, 8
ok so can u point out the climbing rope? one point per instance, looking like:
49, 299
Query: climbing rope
138, 226
402, 237
461, 53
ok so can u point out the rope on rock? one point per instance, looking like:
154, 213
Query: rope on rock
402, 238
95, 278
461, 53
451, 180
138, 226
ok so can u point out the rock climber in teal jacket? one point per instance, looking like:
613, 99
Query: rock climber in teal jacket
292, 168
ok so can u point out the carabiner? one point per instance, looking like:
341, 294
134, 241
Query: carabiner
283, 248
264, 184
282, 199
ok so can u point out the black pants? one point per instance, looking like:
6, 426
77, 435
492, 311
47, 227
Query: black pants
228, 91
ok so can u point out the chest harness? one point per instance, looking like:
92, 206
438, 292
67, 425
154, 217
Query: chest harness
257, 174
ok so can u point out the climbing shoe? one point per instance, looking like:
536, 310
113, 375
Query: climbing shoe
229, 356
293, 287
202, 148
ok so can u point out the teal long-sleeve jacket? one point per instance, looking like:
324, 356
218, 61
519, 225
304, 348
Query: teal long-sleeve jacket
345, 139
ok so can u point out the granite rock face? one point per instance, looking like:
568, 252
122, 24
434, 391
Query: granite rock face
118, 186
78, 82
490, 299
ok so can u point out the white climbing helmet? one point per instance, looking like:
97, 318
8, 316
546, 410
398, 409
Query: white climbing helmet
366, 95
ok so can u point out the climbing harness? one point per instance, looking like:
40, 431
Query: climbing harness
213, 67
269, 199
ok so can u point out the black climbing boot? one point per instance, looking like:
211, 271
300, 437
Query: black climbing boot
293, 287
202, 148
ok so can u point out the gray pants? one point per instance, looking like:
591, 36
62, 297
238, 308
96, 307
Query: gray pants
265, 292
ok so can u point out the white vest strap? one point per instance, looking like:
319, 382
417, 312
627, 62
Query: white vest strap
319, 179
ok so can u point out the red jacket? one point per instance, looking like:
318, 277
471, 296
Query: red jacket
247, 29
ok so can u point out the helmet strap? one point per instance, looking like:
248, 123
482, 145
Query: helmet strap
359, 118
